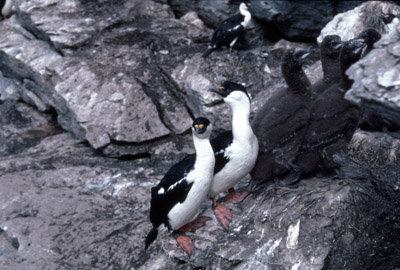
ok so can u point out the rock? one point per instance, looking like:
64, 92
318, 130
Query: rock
26, 84
283, 16
22, 127
113, 85
279, 19
73, 208
376, 79
352, 22
124, 79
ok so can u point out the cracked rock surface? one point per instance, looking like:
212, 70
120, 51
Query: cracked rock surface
96, 102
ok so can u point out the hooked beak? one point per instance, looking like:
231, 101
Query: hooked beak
338, 46
218, 91
308, 52
360, 45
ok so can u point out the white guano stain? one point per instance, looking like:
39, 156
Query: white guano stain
292, 241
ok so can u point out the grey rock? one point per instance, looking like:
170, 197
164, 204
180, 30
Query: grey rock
31, 87
352, 22
116, 93
376, 79
277, 19
73, 208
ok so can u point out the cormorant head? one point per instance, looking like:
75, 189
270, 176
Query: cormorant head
201, 127
388, 18
294, 58
231, 92
351, 51
369, 36
331, 46
246, 4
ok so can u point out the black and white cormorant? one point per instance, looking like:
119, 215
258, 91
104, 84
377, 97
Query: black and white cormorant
389, 19
235, 150
176, 200
329, 54
6, 7
230, 30
280, 124
333, 118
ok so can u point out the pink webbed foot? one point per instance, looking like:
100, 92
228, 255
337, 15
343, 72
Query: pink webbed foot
223, 215
234, 197
194, 225
185, 243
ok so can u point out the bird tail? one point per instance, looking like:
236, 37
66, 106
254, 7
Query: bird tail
151, 237
207, 52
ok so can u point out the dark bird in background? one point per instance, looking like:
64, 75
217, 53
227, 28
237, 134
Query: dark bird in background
235, 150
388, 18
280, 124
176, 200
333, 119
329, 54
230, 30
370, 36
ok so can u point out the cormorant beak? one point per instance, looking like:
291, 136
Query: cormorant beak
338, 46
308, 52
360, 45
218, 91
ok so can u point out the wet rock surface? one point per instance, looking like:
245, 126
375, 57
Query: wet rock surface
97, 99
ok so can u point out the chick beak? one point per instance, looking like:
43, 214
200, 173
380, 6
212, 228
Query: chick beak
338, 46
308, 52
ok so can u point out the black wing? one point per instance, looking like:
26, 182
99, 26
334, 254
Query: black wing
219, 145
172, 189
226, 32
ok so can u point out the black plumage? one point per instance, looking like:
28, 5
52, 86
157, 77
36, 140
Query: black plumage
333, 119
329, 54
230, 30
370, 36
219, 144
174, 187
162, 203
280, 124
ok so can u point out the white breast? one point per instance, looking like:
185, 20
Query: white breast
242, 157
6, 10
201, 177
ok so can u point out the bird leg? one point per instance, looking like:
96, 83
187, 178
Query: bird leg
185, 243
194, 225
234, 197
223, 215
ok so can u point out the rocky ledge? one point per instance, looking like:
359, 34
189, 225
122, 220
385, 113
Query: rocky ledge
97, 98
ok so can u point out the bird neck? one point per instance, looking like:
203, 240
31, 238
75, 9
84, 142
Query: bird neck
241, 128
247, 15
297, 81
345, 81
203, 149
330, 68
